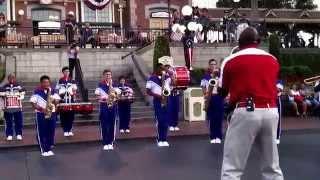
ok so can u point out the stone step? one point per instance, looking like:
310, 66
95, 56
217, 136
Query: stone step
139, 109
134, 107
92, 97
89, 84
84, 121
29, 119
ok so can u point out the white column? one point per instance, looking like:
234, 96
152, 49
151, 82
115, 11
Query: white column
14, 10
77, 11
111, 13
121, 20
96, 15
82, 11
8, 10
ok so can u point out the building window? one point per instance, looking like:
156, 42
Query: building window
204, 3
3, 8
45, 15
104, 15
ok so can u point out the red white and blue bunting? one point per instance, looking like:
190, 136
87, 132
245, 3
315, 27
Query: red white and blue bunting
97, 4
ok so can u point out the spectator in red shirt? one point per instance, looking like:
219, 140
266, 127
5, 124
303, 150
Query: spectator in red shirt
250, 76
297, 99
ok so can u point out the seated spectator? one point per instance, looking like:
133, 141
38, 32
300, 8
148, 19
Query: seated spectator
309, 97
297, 100
3, 26
87, 36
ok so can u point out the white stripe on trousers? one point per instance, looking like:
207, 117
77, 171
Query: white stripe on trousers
38, 134
156, 127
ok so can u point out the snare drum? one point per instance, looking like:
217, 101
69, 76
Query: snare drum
82, 108
182, 77
12, 102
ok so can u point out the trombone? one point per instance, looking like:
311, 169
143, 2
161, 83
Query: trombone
311, 80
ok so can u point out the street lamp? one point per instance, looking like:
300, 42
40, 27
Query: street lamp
122, 5
291, 26
236, 15
169, 15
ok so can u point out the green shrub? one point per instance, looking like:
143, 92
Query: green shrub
161, 48
196, 75
310, 60
292, 74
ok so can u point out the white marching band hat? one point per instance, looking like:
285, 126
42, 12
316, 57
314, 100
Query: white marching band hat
166, 60
186, 10
177, 27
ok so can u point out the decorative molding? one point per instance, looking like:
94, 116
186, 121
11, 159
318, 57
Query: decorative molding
305, 14
154, 7
38, 6
271, 13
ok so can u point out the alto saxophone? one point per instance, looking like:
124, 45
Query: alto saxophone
50, 107
112, 96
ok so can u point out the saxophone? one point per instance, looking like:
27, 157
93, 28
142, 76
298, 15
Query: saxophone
112, 96
50, 107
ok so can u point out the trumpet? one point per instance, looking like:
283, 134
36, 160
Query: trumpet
311, 80
165, 91
212, 83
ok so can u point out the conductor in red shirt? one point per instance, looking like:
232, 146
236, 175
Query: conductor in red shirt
250, 76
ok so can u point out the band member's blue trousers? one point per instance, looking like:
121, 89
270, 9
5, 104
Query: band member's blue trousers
107, 123
15, 118
173, 110
66, 119
161, 116
124, 111
215, 114
279, 121
45, 131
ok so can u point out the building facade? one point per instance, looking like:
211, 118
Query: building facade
29, 14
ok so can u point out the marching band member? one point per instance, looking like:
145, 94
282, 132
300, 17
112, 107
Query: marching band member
280, 89
173, 99
13, 94
44, 100
66, 87
107, 96
188, 48
72, 52
157, 86
214, 102
124, 105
